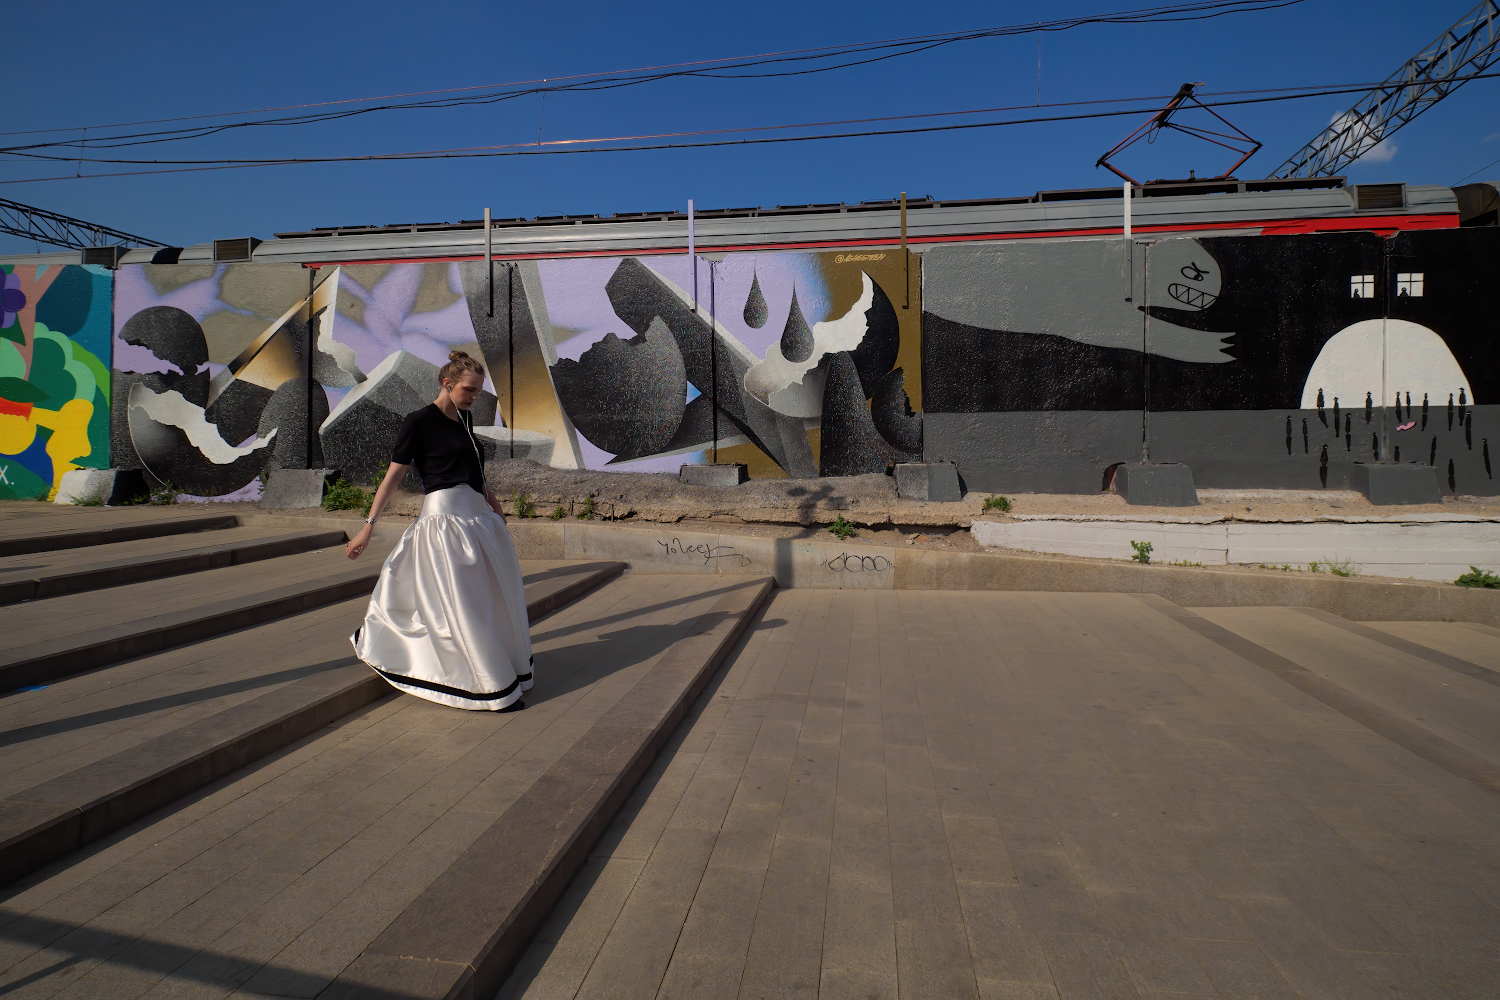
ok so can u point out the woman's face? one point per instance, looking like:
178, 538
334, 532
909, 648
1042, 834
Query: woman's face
465, 390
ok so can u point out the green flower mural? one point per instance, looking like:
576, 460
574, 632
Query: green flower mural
54, 386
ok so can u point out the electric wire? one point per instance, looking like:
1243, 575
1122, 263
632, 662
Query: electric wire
910, 45
532, 149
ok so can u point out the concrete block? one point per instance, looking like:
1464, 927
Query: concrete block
290, 489
495, 442
114, 486
722, 474
928, 481
1165, 485
1388, 482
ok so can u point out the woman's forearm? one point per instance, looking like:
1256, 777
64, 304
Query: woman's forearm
388, 485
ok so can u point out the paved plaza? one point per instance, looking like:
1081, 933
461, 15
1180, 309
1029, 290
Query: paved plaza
724, 790
1038, 796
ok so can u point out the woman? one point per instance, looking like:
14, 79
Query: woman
447, 621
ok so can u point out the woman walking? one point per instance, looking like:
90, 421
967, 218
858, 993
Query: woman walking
447, 621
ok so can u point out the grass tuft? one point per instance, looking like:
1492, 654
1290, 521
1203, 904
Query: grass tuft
1142, 552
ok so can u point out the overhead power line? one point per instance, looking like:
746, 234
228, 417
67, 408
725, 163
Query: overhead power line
789, 63
582, 146
63, 230
1458, 55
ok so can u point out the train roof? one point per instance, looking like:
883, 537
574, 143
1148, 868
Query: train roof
1197, 207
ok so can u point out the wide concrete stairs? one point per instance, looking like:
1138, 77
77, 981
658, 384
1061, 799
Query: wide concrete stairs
203, 792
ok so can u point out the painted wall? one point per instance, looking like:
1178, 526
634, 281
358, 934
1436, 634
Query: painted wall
598, 363
1259, 361
54, 375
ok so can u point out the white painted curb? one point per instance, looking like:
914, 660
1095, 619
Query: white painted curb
1423, 547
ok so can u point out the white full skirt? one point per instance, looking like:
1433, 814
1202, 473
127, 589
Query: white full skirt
447, 621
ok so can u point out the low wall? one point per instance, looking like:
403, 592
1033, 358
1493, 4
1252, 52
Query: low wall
834, 564
1436, 547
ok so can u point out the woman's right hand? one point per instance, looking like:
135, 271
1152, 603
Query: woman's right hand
358, 543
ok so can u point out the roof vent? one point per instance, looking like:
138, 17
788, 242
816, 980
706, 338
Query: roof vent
1379, 196
233, 251
104, 256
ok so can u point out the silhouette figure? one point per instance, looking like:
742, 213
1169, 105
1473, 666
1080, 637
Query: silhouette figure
1321, 415
1369, 406
1323, 467
1424, 411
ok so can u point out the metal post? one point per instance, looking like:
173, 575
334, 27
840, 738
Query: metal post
692, 258
510, 348
1127, 186
489, 266
713, 354
312, 345
905, 260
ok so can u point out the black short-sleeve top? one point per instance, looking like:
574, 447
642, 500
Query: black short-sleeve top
445, 451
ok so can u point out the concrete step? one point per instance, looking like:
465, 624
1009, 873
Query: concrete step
58, 572
313, 872
97, 752
58, 636
1423, 689
27, 528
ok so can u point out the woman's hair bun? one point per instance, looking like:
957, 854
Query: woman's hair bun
455, 355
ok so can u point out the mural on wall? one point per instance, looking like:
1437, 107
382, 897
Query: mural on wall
1259, 361
814, 360
54, 375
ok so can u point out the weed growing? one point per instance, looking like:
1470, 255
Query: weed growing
1477, 577
1002, 504
344, 495
1142, 552
558, 513
587, 513
522, 502
842, 529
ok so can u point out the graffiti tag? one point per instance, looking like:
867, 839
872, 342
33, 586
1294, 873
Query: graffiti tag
844, 258
846, 562
709, 552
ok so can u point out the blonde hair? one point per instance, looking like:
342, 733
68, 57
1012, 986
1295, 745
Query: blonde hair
459, 364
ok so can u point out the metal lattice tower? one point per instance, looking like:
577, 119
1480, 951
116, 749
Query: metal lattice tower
61, 230
1465, 49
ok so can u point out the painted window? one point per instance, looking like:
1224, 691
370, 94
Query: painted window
1409, 283
1362, 286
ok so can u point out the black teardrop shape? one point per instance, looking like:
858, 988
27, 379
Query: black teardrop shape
1424, 411
1398, 407
796, 338
1375, 446
1396, 455
1304, 436
1452, 483
1432, 460
1487, 473
1469, 431
1335, 414
1348, 432
1369, 405
1323, 467
756, 312
1450, 411
1288, 435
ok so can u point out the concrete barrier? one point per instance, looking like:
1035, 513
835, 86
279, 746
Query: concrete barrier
1437, 547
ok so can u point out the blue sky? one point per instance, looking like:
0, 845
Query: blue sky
97, 63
